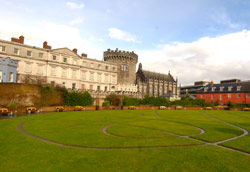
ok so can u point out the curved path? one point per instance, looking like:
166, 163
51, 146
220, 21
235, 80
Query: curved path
20, 128
245, 132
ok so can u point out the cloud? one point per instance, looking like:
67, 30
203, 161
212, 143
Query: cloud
215, 58
118, 34
57, 35
76, 21
74, 5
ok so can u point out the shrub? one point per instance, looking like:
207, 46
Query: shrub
51, 96
78, 98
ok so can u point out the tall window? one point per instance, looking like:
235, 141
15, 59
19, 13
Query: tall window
99, 77
91, 76
220, 96
1, 76
53, 71
73, 86
90, 87
113, 79
229, 95
212, 98
28, 68
98, 88
2, 48
99, 66
65, 60
39, 69
64, 72
238, 88
238, 95
11, 79
84, 75
105, 88
106, 78
74, 73
230, 88
54, 57
106, 68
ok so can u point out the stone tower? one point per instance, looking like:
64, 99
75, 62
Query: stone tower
126, 63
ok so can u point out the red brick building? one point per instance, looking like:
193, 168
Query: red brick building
230, 90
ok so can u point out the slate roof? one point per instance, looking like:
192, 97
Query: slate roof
160, 76
243, 87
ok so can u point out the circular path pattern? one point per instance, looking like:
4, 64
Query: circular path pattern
162, 118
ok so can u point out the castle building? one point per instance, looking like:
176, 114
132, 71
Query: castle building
62, 66
156, 84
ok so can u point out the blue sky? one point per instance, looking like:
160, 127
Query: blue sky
153, 29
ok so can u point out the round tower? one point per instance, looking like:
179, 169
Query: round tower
126, 63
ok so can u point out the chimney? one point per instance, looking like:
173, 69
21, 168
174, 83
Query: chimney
46, 46
211, 83
75, 50
84, 55
20, 40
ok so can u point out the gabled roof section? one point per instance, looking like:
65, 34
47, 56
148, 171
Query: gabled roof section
65, 51
159, 76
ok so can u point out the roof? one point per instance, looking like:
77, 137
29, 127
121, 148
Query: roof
149, 74
227, 88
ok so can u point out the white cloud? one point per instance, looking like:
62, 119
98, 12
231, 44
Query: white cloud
217, 58
76, 21
74, 5
57, 35
118, 34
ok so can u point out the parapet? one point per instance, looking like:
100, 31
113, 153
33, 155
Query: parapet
111, 54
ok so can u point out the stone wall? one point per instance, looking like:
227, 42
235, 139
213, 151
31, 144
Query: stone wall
19, 94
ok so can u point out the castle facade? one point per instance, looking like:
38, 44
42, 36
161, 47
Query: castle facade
62, 66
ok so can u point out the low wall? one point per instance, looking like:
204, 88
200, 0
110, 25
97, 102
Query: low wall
21, 94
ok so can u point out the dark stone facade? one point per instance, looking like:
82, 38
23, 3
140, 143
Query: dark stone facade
156, 84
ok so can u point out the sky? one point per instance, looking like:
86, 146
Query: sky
195, 40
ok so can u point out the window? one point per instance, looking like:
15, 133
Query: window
73, 86
230, 88
238, 95
98, 88
40, 55
54, 58
99, 77
106, 78
52, 82
83, 87
39, 69
91, 76
74, 73
53, 71
16, 51
248, 94
205, 89
84, 64
213, 88
113, 68
29, 53
106, 68
28, 68
114, 79
212, 98
99, 66
90, 87
65, 60
220, 96
221, 88
11, 79
84, 75
238, 88
124, 67
63, 84
92, 65
1, 77
64, 72
2, 48
105, 88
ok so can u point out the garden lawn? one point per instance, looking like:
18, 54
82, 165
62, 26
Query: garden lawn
19, 152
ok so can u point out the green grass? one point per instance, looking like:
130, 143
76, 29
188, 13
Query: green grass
19, 152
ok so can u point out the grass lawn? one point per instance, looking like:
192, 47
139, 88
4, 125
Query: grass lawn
135, 140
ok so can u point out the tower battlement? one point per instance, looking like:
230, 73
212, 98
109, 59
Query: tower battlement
120, 55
